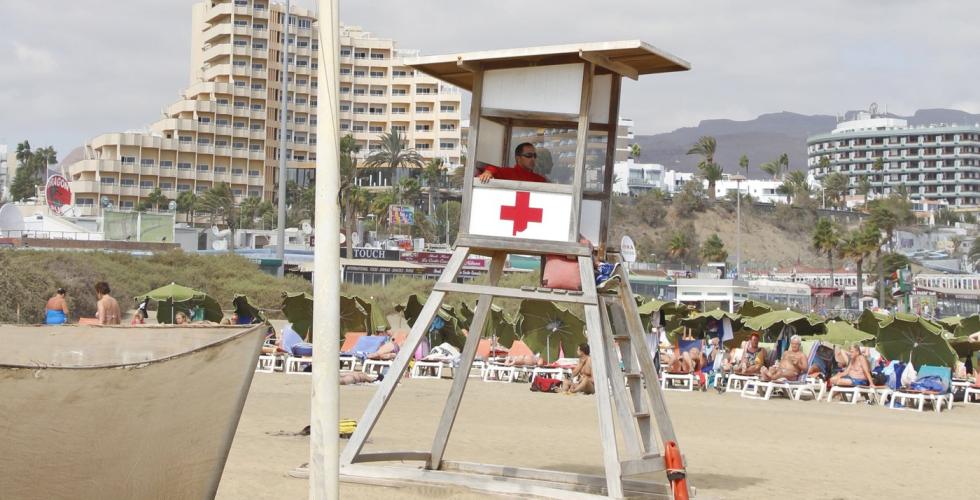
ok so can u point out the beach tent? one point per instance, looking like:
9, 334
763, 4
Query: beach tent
548, 329
905, 337
247, 313
175, 298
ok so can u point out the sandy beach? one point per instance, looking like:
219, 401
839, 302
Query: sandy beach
735, 448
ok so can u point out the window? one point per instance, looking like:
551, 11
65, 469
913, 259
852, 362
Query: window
303, 43
359, 73
222, 122
360, 55
127, 182
240, 63
258, 45
126, 204
423, 128
253, 173
238, 145
399, 92
203, 141
259, 26
85, 201
241, 23
300, 100
241, 43
305, 23
345, 52
146, 184
128, 160
423, 109
203, 168
254, 194
222, 102
257, 107
399, 73
376, 111
186, 138
345, 90
399, 111
423, 145
376, 129
447, 127
447, 109
237, 171
447, 145
236, 192
240, 84
377, 74
201, 188
220, 170
258, 66
147, 162
378, 57
258, 86
257, 126
359, 110
166, 164
203, 119
377, 92
255, 147
398, 128
359, 92
302, 81
240, 104
184, 166
241, 3
300, 119
108, 180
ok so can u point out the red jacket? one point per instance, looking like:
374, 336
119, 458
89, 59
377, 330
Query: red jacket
515, 173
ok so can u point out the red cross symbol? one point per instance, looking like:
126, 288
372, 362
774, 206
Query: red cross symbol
521, 212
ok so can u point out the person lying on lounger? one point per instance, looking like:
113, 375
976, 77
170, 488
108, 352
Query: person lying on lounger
857, 372
386, 352
523, 360
753, 357
790, 366
583, 372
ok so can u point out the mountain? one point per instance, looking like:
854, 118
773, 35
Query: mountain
764, 138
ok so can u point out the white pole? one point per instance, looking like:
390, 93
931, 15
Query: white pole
283, 107
738, 231
325, 403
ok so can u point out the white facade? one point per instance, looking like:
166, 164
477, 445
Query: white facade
637, 178
5, 178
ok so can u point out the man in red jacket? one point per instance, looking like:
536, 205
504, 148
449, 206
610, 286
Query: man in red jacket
523, 170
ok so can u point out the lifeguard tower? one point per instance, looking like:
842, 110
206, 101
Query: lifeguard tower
565, 100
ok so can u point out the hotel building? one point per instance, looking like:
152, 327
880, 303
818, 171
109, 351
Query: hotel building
934, 163
225, 128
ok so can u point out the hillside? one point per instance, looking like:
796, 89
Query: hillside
764, 138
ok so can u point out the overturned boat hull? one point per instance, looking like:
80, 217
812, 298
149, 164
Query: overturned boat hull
120, 412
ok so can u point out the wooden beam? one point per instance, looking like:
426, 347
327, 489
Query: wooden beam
610, 161
468, 66
552, 476
627, 424
471, 150
604, 61
581, 147
392, 456
513, 293
643, 466
569, 119
516, 245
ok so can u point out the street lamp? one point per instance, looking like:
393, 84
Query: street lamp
738, 178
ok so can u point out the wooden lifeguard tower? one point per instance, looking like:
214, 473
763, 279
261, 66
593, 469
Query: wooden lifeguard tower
565, 99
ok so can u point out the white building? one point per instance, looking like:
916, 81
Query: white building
5, 178
637, 178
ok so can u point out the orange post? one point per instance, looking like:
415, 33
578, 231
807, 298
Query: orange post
675, 470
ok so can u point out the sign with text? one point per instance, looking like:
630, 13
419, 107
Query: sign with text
371, 253
58, 194
441, 259
401, 214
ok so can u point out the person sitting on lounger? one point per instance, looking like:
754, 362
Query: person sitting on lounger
857, 372
687, 362
583, 372
386, 352
753, 357
790, 366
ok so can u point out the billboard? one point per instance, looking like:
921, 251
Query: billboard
58, 194
401, 214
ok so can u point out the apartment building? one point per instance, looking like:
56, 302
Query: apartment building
225, 128
934, 162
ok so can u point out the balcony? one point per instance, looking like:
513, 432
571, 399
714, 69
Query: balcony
129, 190
257, 114
256, 155
186, 173
257, 135
212, 72
93, 166
85, 187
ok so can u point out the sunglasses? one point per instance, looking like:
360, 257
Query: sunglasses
529, 155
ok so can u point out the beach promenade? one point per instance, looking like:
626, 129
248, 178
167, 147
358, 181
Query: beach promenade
736, 448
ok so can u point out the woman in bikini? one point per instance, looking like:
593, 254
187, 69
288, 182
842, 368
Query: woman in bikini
583, 371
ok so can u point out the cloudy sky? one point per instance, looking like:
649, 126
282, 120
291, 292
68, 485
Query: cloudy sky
71, 69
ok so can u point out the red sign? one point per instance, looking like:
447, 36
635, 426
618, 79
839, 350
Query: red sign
521, 212
58, 194
440, 259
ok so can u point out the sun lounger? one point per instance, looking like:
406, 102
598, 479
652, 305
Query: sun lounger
682, 381
793, 389
348, 361
496, 371
937, 399
972, 390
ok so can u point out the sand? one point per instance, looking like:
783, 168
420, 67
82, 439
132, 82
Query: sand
735, 448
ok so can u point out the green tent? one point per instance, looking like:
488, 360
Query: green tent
548, 329
907, 336
773, 324
751, 309
175, 298
244, 309
699, 322
844, 334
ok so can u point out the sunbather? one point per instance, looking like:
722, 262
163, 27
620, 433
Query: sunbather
753, 357
523, 360
352, 378
583, 372
857, 372
386, 352
687, 362
790, 366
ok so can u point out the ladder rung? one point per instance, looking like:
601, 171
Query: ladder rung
621, 338
633, 375
647, 464
641, 414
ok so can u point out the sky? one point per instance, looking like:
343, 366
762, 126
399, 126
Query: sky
71, 70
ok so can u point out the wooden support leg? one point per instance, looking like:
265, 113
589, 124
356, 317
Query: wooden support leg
461, 375
624, 409
381, 397
607, 431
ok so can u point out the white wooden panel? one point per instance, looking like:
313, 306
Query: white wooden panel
553, 89
601, 91
490, 144
492, 214
590, 219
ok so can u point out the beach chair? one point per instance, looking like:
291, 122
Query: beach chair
970, 392
498, 372
432, 368
556, 370
682, 381
793, 389
736, 382
378, 365
937, 399
348, 361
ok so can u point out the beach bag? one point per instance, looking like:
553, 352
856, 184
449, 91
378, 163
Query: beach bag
931, 383
561, 272
908, 375
545, 384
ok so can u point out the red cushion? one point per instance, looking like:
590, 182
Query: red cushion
561, 272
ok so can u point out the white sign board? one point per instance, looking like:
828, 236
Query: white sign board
627, 249
515, 214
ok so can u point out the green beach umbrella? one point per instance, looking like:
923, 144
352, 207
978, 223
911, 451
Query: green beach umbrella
950, 322
376, 316
244, 308
700, 321
547, 328
410, 309
445, 327
173, 298
498, 325
772, 324
298, 309
907, 336
751, 309
844, 334
870, 321
963, 347
967, 326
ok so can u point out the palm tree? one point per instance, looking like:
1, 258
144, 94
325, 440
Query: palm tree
877, 166
712, 173
705, 147
393, 154
432, 173
713, 249
835, 187
826, 240
248, 211
974, 254
783, 162
156, 199
771, 168
635, 151
220, 203
187, 202
42, 158
348, 187
679, 246
24, 153
864, 187
743, 163
858, 245
800, 183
